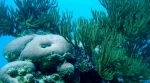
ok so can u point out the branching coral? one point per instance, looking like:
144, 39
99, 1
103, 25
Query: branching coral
83, 33
120, 36
131, 18
38, 15
109, 52
110, 45
111, 61
31, 16
6, 20
134, 67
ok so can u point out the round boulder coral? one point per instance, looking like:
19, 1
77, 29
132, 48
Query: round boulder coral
9, 73
13, 49
43, 45
66, 69
35, 47
45, 51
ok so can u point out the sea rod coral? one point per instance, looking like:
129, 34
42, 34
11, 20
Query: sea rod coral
107, 48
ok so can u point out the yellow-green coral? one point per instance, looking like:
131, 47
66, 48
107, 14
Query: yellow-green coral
109, 52
31, 17
111, 61
115, 39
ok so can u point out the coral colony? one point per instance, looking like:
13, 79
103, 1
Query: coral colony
52, 48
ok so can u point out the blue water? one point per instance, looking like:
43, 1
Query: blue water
79, 8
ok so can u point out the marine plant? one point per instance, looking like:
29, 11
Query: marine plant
117, 42
113, 46
30, 17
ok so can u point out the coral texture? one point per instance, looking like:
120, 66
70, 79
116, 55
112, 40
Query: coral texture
43, 45
13, 49
13, 68
110, 47
66, 69
36, 46
45, 51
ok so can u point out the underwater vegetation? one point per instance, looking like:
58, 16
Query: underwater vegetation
52, 48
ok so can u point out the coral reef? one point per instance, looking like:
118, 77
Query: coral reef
47, 52
53, 48
115, 41
18, 45
36, 46
41, 49
30, 17
10, 72
66, 69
